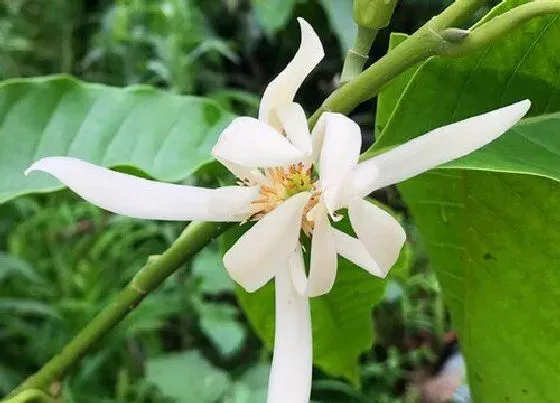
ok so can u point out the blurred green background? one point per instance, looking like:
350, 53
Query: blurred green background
62, 260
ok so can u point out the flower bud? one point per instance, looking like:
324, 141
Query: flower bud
374, 14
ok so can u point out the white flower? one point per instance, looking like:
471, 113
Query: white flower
273, 158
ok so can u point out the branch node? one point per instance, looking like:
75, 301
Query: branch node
454, 35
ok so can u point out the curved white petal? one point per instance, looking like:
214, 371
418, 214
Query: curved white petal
293, 121
141, 198
336, 143
322, 272
282, 89
292, 363
437, 147
252, 143
379, 232
252, 260
355, 251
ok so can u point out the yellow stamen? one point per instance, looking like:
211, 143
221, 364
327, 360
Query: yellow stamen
284, 183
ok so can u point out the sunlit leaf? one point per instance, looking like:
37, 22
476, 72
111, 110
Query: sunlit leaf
166, 136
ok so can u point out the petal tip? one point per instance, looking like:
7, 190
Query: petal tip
31, 168
523, 106
308, 33
39, 165
50, 164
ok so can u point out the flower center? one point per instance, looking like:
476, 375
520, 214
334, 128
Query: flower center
283, 184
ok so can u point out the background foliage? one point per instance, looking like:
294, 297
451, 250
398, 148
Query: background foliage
62, 260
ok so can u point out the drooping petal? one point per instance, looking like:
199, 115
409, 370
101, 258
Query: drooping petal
292, 363
252, 143
322, 272
282, 89
436, 147
293, 120
378, 231
141, 198
252, 260
336, 144
355, 251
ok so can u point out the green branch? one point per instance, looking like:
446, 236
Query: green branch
437, 37
31, 396
195, 237
499, 26
370, 16
358, 55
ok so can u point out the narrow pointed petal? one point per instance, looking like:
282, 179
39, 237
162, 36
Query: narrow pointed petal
339, 140
293, 120
283, 88
252, 260
322, 272
252, 143
292, 363
141, 198
355, 251
436, 147
378, 231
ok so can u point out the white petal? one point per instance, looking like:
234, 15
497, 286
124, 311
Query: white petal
380, 233
249, 174
282, 89
322, 272
355, 251
338, 139
437, 147
141, 198
292, 363
294, 123
252, 260
252, 143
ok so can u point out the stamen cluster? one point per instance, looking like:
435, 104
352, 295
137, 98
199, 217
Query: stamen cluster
281, 184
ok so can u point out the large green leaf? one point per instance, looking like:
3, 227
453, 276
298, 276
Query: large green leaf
491, 219
166, 136
342, 326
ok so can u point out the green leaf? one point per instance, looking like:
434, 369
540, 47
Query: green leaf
166, 136
207, 267
251, 387
187, 377
339, 13
491, 220
219, 323
13, 266
26, 307
8, 378
342, 328
272, 15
